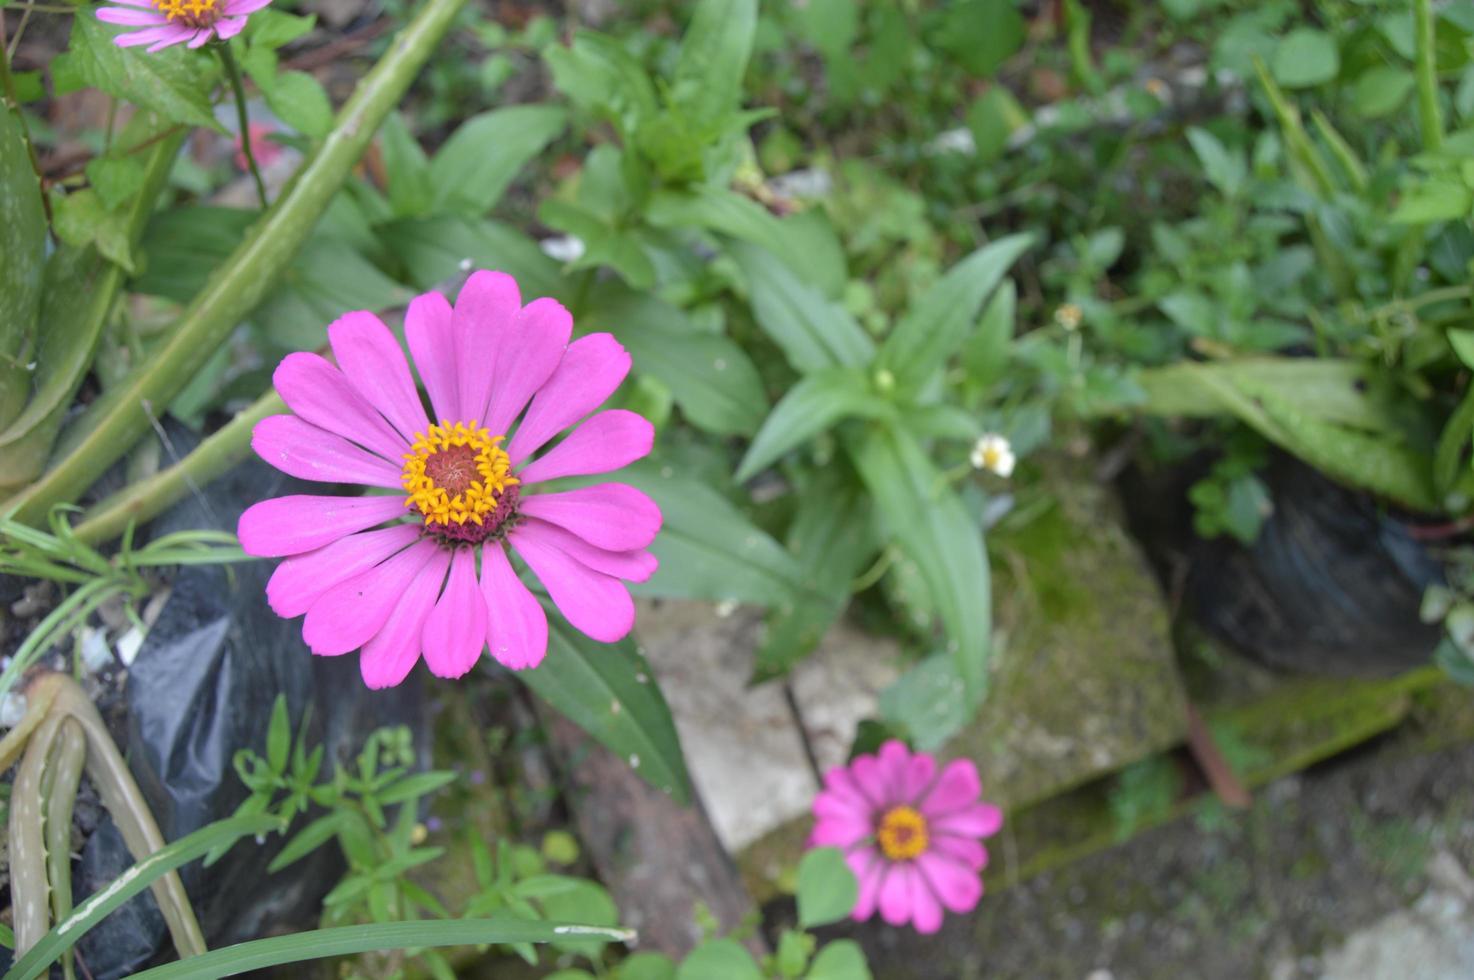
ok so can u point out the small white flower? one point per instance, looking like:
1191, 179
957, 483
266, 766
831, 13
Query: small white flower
1069, 316
564, 248
992, 452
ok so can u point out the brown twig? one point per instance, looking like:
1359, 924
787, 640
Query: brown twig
1205, 752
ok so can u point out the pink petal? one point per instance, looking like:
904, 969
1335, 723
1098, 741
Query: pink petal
596, 604
632, 566
226, 29
516, 626
926, 910
917, 778
237, 8
612, 516
318, 392
590, 370
455, 633
840, 784
870, 777
849, 806
957, 787
198, 41
839, 830
528, 355
133, 18
429, 328
894, 759
370, 358
301, 449
896, 893
483, 315
351, 612
966, 851
391, 653
980, 820
299, 582
169, 33
302, 522
957, 886
605, 442
870, 870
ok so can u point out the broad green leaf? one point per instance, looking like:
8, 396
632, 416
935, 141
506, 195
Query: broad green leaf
827, 888
646, 966
301, 102
813, 332
115, 179
23, 245
81, 219
1305, 57
307, 840
175, 82
1462, 341
708, 77
484, 155
842, 959
579, 900
710, 377
271, 28
981, 34
986, 355
927, 702
326, 280
940, 322
609, 691
934, 529
1381, 90
818, 402
1224, 168
1432, 200
140, 876
408, 171
433, 250
600, 76
993, 118
724, 958
321, 944
709, 550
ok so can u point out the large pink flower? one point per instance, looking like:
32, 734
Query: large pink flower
398, 575
160, 23
912, 836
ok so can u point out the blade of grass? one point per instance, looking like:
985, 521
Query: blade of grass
59, 794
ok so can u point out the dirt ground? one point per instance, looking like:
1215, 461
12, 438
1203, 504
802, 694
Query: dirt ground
1358, 870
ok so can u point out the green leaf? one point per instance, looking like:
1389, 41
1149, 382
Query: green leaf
724, 958
609, 691
484, 155
1225, 169
934, 530
813, 332
271, 28
301, 102
842, 959
279, 736
413, 787
827, 888
327, 280
307, 840
130, 883
82, 220
986, 355
647, 966
433, 249
381, 936
1381, 90
600, 76
818, 402
927, 702
709, 550
1305, 57
710, 377
708, 77
23, 243
1462, 341
1434, 200
408, 171
115, 179
981, 34
993, 118
174, 83
577, 900
940, 322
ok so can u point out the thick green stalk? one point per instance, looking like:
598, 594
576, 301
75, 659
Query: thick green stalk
147, 499
1429, 117
118, 419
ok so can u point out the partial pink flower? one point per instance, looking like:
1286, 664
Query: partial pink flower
265, 151
424, 569
161, 23
911, 835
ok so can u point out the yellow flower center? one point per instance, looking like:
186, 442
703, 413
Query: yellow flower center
460, 479
902, 833
190, 13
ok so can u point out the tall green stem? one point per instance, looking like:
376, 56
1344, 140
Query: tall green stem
233, 72
117, 420
1427, 75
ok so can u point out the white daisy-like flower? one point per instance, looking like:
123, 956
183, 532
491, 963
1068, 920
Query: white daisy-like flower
993, 452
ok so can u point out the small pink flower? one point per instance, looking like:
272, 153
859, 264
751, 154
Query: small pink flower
912, 836
264, 150
161, 23
398, 575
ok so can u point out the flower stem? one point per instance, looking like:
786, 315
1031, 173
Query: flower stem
1427, 76
114, 422
233, 72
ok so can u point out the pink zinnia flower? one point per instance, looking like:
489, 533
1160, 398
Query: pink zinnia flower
912, 836
264, 150
165, 22
397, 575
